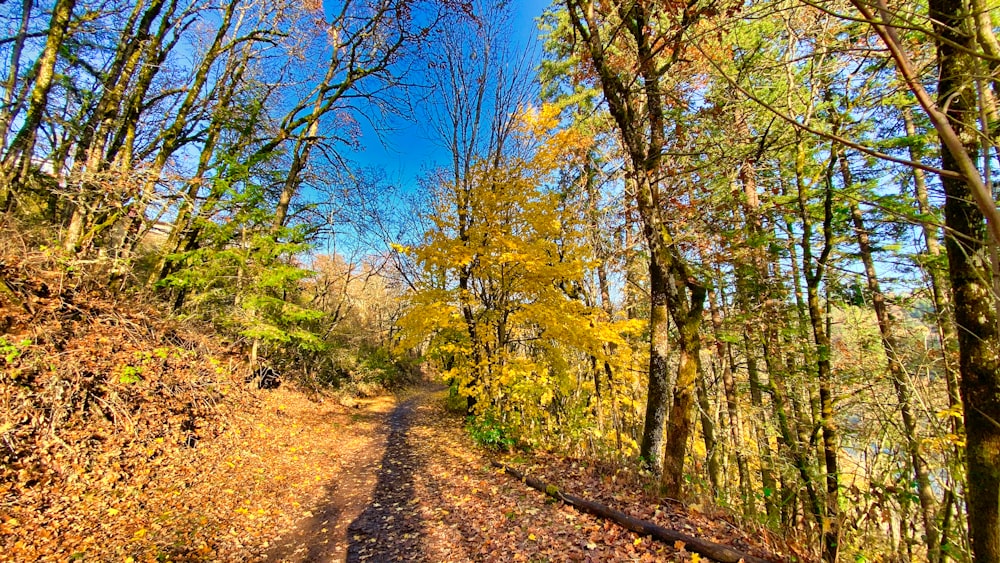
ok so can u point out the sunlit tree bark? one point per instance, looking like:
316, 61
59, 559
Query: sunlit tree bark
972, 290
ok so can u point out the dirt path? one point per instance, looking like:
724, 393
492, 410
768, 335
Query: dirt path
386, 504
323, 534
414, 488
362, 516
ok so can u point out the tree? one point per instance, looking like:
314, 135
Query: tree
524, 258
482, 82
673, 285
17, 158
974, 223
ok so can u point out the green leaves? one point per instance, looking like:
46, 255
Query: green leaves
243, 275
11, 351
130, 375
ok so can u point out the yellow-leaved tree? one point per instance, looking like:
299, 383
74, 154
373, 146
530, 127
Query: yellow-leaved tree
519, 340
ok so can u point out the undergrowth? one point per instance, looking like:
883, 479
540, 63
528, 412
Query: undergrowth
491, 433
98, 392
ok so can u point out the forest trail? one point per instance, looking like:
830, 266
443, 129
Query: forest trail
414, 488
377, 462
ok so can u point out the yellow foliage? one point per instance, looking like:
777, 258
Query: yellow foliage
546, 398
556, 145
500, 305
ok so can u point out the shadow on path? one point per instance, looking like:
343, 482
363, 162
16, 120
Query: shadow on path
389, 528
323, 535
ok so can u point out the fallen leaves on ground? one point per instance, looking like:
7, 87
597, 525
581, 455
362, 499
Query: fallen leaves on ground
438, 499
126, 436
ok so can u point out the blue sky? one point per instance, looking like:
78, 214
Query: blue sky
407, 150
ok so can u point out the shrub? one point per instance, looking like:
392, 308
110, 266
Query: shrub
491, 433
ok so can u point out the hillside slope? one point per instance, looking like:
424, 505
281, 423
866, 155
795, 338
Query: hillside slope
125, 434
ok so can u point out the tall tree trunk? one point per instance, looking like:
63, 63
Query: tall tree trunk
121, 145
971, 282
688, 322
96, 126
300, 157
768, 483
10, 86
658, 386
602, 254
754, 279
671, 283
634, 276
796, 448
708, 434
97, 121
18, 156
724, 352
814, 274
982, 12
187, 211
172, 136
936, 271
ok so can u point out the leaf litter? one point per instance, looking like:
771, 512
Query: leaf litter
438, 499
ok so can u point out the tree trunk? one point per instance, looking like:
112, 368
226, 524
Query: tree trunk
300, 156
708, 434
814, 272
754, 279
7, 102
982, 13
97, 121
769, 484
121, 145
172, 136
724, 352
937, 272
789, 438
18, 157
971, 283
714, 551
657, 388
679, 421
671, 283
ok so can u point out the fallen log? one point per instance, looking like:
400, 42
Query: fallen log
715, 551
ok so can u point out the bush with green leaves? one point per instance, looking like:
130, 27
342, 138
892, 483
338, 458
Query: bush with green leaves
244, 275
489, 432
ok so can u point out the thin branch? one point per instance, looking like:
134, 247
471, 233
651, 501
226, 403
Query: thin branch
949, 138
